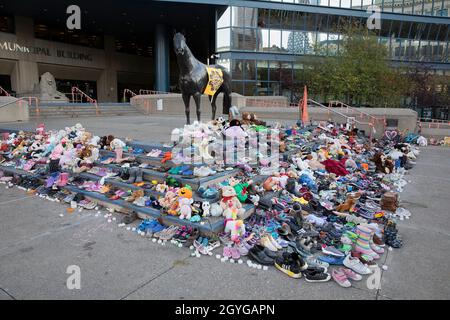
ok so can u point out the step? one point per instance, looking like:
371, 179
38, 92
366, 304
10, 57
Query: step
211, 225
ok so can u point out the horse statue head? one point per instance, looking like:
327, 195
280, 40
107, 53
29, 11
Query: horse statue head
179, 44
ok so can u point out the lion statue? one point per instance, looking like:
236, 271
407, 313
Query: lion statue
47, 89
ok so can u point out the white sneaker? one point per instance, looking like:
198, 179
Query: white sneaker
356, 265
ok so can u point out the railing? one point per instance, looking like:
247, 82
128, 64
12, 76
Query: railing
4, 92
352, 119
131, 93
434, 123
76, 90
362, 114
151, 92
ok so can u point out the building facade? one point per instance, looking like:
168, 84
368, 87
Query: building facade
266, 45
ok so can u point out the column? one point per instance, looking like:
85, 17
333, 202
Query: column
107, 81
161, 59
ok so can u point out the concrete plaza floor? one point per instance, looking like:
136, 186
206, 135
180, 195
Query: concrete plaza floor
37, 245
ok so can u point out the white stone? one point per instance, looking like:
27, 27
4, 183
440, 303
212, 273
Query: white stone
217, 256
265, 268
180, 245
153, 240
231, 260
61, 215
109, 220
384, 267
390, 249
96, 208
240, 261
133, 229
191, 247
128, 228
259, 267
114, 218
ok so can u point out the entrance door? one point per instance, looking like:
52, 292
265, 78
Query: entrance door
65, 86
5, 83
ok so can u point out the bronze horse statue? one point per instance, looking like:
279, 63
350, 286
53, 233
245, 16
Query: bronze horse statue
194, 79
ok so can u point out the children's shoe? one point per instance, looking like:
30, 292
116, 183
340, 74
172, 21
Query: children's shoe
352, 275
356, 265
290, 264
340, 277
316, 275
338, 261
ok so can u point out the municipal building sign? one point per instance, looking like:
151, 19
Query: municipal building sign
15, 47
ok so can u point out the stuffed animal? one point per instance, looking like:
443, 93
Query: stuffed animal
216, 210
184, 207
232, 225
230, 200
206, 206
254, 198
350, 202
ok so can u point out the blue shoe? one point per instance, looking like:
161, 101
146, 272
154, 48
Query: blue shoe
338, 261
210, 193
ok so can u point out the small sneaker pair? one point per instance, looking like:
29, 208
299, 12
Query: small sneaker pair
342, 276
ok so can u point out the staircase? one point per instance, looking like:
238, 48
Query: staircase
78, 110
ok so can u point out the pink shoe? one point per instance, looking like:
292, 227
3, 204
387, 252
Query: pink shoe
235, 253
351, 274
227, 252
339, 276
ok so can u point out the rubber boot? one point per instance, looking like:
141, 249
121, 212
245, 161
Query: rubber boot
139, 176
133, 173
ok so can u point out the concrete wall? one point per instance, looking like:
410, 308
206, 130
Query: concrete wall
173, 104
15, 110
103, 66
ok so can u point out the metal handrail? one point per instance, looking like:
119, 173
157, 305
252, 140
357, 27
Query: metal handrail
125, 91
88, 98
5, 92
361, 113
151, 92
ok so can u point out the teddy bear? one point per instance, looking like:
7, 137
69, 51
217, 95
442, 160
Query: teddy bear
230, 200
184, 207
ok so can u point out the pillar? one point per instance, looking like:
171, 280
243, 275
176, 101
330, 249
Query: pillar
161, 59
107, 82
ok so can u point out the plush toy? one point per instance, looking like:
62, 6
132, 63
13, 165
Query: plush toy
350, 202
232, 225
254, 198
184, 207
206, 206
216, 210
230, 200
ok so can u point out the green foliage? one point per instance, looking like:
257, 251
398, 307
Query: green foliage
358, 73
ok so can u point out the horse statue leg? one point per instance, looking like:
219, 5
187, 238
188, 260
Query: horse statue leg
197, 99
213, 99
226, 88
186, 100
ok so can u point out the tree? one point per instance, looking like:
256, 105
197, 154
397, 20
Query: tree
358, 73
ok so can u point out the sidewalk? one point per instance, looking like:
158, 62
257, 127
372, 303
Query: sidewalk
37, 245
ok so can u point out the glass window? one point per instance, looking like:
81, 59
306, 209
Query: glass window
7, 24
244, 17
275, 40
249, 69
224, 19
237, 69
223, 39
262, 70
